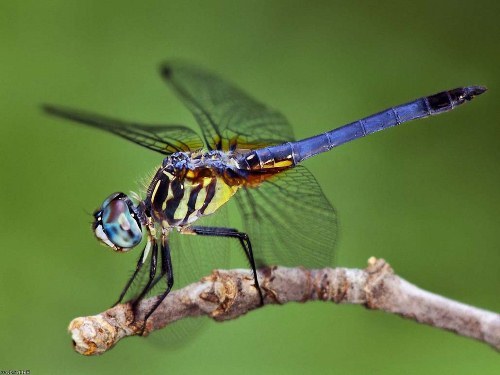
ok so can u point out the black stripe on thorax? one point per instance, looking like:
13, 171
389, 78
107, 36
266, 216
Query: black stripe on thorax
191, 204
210, 195
177, 195
161, 193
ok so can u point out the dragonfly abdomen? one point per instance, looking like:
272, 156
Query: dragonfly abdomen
292, 153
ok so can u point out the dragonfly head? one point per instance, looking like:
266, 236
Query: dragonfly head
117, 223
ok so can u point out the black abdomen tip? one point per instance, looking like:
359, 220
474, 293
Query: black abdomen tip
447, 100
473, 91
464, 94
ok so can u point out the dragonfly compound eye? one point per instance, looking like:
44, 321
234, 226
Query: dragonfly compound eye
117, 224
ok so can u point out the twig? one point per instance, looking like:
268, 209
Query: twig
229, 294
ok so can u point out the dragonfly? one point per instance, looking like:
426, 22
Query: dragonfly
246, 152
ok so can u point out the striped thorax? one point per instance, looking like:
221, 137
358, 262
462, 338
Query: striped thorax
190, 185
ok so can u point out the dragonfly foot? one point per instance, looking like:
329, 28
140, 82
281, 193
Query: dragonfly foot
261, 296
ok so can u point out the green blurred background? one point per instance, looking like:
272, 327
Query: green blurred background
424, 196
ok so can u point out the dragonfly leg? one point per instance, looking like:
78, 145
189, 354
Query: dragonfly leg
166, 269
140, 263
159, 277
231, 233
152, 273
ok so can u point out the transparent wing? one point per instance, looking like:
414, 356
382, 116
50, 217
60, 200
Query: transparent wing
196, 256
165, 139
289, 220
228, 117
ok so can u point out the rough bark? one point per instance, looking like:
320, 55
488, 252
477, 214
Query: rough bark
229, 294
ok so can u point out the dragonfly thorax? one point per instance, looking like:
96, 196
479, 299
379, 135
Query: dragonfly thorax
190, 185
214, 159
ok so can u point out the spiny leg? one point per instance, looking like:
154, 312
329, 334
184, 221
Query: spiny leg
140, 263
152, 273
166, 269
231, 233
160, 276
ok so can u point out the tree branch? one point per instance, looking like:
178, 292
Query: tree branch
229, 294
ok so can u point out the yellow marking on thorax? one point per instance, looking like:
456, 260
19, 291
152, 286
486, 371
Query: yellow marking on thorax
223, 192
169, 175
155, 190
170, 195
200, 199
182, 209
189, 186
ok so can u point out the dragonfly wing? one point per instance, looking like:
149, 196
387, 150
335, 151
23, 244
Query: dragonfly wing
228, 117
165, 139
289, 220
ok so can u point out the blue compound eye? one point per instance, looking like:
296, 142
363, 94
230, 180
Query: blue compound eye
117, 225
